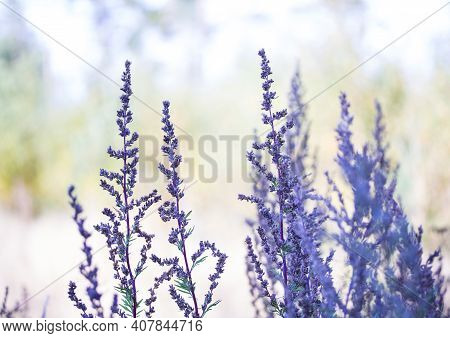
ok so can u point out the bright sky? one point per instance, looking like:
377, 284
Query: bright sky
234, 26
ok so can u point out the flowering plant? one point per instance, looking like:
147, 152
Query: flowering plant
288, 276
123, 227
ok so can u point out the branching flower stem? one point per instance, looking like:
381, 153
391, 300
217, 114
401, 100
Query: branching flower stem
127, 216
186, 262
280, 200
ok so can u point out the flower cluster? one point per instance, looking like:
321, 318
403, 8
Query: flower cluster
288, 271
87, 269
180, 233
286, 235
123, 221
123, 228
376, 236
389, 275
297, 138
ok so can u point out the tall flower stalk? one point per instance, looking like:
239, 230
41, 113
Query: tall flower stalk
376, 236
123, 228
286, 235
389, 274
179, 235
288, 273
124, 221
87, 269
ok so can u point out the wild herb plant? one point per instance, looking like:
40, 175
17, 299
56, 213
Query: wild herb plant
297, 137
123, 228
289, 275
390, 277
87, 269
181, 232
123, 221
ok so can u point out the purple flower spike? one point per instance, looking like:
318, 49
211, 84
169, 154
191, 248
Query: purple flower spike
87, 269
286, 235
171, 210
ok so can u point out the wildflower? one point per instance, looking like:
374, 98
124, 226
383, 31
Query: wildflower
377, 237
286, 234
77, 301
171, 210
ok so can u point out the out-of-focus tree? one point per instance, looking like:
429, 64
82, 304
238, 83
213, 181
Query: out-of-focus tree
22, 90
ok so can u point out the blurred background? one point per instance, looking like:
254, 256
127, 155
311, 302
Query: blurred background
60, 62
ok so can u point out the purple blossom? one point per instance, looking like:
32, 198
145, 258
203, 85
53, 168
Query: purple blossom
77, 301
123, 222
171, 210
122, 227
286, 234
377, 237
87, 269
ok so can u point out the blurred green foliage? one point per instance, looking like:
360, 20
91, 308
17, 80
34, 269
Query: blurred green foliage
22, 94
